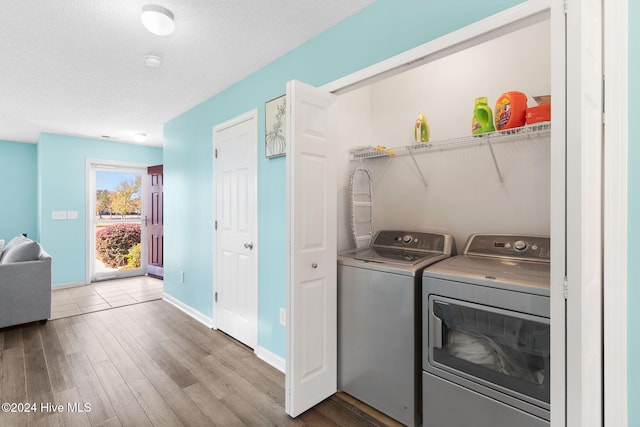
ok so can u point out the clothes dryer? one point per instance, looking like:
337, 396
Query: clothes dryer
486, 334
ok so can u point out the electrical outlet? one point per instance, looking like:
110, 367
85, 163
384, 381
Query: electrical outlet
181, 276
283, 317
58, 215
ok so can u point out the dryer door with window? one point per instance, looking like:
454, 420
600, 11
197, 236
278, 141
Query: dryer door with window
503, 350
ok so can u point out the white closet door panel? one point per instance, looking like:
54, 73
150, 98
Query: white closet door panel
311, 364
584, 213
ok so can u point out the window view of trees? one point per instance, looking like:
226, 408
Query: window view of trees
123, 201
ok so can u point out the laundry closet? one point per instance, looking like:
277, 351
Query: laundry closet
541, 185
412, 343
462, 190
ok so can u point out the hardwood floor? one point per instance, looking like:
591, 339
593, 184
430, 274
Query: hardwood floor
147, 364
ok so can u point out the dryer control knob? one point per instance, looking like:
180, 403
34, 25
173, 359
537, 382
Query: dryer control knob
406, 239
520, 245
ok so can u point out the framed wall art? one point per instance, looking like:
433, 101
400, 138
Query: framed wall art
275, 138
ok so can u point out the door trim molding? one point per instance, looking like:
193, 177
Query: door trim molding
527, 13
235, 121
249, 115
615, 212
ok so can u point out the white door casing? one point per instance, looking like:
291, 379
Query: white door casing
311, 360
616, 137
236, 260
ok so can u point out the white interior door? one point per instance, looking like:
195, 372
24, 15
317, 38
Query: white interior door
236, 272
584, 213
311, 365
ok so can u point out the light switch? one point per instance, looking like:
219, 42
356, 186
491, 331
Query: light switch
72, 214
58, 215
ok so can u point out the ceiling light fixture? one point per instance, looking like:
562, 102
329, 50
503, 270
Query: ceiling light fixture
139, 137
157, 19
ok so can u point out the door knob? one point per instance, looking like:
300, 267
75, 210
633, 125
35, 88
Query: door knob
248, 245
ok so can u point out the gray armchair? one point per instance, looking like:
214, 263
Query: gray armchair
25, 283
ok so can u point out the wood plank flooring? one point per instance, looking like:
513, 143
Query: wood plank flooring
147, 364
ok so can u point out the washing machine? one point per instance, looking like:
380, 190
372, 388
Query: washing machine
379, 319
486, 334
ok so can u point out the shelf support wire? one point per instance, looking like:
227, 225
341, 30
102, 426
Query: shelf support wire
495, 162
424, 180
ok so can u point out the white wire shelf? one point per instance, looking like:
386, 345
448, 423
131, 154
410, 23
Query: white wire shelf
528, 131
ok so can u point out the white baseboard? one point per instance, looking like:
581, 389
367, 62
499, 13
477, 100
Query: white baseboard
205, 320
272, 359
67, 285
261, 352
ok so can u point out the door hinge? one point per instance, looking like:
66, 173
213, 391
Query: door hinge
565, 288
215, 297
566, 6
215, 224
603, 99
216, 153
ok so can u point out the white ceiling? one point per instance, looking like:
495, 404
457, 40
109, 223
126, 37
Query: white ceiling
76, 67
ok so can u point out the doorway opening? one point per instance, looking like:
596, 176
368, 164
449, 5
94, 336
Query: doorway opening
116, 234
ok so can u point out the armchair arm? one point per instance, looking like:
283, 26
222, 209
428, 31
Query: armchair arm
25, 291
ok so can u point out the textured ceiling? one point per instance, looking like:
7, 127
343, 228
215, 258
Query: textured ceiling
76, 67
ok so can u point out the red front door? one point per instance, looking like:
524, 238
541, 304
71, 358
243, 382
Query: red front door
154, 222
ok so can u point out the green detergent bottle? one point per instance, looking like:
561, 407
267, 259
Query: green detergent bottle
421, 129
482, 117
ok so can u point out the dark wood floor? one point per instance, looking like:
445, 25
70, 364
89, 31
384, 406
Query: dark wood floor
144, 365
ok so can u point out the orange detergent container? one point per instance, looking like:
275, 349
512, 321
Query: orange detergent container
511, 110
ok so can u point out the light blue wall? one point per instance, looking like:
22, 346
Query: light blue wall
633, 255
62, 187
384, 29
18, 189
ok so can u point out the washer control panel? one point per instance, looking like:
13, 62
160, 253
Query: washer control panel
533, 248
411, 240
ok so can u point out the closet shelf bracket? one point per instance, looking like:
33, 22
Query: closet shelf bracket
495, 162
424, 180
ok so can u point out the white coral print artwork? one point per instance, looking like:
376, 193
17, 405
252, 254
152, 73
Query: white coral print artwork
276, 127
